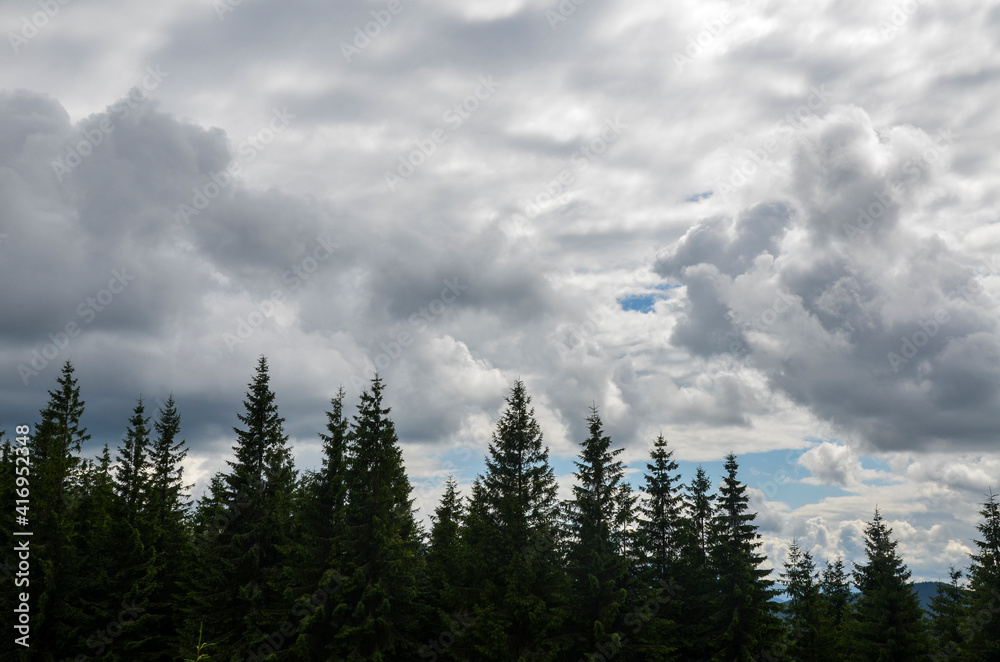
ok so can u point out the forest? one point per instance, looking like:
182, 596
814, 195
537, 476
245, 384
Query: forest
273, 563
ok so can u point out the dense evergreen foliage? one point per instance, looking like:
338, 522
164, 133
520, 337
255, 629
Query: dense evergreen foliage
333, 564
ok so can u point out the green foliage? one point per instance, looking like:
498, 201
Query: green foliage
596, 524
513, 540
981, 630
808, 622
949, 614
376, 614
334, 566
887, 622
238, 589
745, 623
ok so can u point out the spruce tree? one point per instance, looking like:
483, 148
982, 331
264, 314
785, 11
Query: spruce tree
239, 592
318, 558
595, 563
663, 569
809, 625
55, 487
445, 576
698, 592
514, 545
700, 507
166, 512
949, 615
131, 476
376, 614
887, 623
836, 590
981, 631
745, 621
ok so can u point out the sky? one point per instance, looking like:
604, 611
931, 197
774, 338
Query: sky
759, 227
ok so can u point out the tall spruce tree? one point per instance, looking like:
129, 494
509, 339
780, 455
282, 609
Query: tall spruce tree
445, 576
239, 589
131, 477
949, 614
170, 538
514, 546
662, 567
595, 563
700, 507
836, 590
55, 488
810, 628
887, 623
745, 622
376, 613
981, 631
318, 557
697, 597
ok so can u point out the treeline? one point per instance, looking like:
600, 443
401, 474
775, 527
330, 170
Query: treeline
331, 564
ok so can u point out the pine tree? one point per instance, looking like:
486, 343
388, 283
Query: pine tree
56, 475
981, 631
445, 576
514, 541
662, 567
595, 563
836, 590
949, 613
745, 623
700, 508
166, 512
131, 475
132, 558
887, 623
698, 590
376, 615
810, 627
319, 557
239, 590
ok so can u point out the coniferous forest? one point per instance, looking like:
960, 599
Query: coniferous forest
274, 563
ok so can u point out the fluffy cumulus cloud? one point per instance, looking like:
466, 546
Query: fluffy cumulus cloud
733, 223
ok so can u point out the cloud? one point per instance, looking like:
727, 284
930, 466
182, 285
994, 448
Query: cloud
845, 308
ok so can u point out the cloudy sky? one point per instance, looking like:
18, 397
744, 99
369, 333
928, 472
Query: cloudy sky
766, 227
